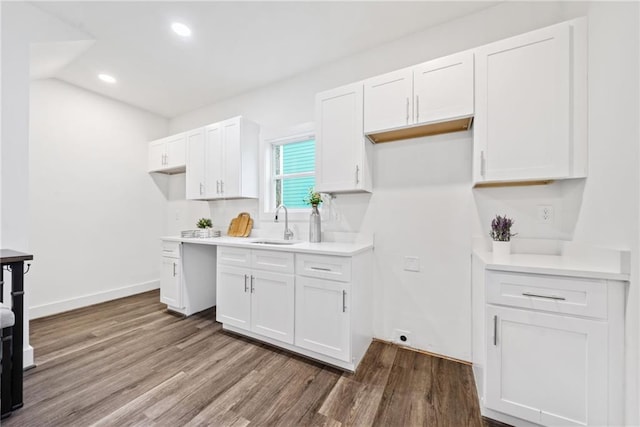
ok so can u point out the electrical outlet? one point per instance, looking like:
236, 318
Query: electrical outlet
411, 263
545, 214
402, 337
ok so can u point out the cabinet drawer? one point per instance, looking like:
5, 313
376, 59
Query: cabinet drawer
568, 295
324, 266
234, 256
281, 262
171, 249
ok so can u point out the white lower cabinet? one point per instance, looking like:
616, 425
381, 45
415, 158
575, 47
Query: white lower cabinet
554, 348
171, 281
188, 274
252, 297
319, 306
546, 368
322, 317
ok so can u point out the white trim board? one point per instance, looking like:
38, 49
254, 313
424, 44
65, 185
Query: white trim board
86, 300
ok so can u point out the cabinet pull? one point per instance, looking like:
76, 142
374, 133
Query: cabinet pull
174, 269
320, 268
201, 189
495, 330
553, 297
407, 110
344, 301
482, 162
221, 187
253, 289
217, 187
417, 108
357, 174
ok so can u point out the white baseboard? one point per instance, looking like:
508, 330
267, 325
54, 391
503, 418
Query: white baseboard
27, 357
86, 300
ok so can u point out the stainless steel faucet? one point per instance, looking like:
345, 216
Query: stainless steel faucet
288, 234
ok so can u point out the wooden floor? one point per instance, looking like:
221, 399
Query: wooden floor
129, 362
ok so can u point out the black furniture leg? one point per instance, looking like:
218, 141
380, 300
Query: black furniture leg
5, 381
17, 294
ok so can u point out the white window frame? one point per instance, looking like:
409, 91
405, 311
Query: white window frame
300, 133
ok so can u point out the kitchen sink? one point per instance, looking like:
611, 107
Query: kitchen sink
276, 242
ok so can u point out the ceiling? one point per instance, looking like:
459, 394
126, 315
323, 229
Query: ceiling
235, 47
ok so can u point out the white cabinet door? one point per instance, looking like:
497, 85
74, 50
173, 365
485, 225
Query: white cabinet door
157, 155
546, 368
272, 305
195, 176
443, 89
171, 282
176, 151
523, 107
230, 178
214, 160
341, 162
233, 297
388, 101
323, 317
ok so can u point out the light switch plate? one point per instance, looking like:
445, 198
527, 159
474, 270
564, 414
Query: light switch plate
411, 263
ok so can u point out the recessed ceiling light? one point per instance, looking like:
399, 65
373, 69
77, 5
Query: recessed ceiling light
181, 29
107, 78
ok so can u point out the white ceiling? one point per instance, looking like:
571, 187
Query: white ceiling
235, 47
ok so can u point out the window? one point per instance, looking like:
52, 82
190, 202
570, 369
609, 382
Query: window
294, 162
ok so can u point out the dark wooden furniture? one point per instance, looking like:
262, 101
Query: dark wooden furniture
15, 261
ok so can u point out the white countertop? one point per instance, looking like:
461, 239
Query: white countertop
560, 265
323, 248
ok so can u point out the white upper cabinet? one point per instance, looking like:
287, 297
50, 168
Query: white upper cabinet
530, 119
223, 160
168, 154
430, 98
342, 152
443, 89
195, 177
388, 101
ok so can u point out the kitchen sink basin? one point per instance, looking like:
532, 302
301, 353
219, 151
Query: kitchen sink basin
276, 242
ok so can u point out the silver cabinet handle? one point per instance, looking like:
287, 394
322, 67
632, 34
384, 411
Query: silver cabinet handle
357, 174
217, 187
417, 108
201, 189
407, 110
553, 297
174, 269
344, 301
253, 289
245, 282
320, 268
495, 330
221, 187
482, 164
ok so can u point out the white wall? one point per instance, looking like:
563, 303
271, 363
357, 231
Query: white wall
22, 24
423, 183
95, 213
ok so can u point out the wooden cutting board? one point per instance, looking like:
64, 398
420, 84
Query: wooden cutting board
241, 225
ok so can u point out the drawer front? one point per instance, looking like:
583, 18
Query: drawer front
324, 266
234, 256
281, 262
171, 249
567, 295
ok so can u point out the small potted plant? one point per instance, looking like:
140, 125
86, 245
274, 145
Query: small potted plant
501, 235
314, 199
204, 224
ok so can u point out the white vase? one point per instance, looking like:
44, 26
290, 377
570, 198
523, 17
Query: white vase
501, 251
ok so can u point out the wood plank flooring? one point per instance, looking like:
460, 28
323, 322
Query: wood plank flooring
130, 363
